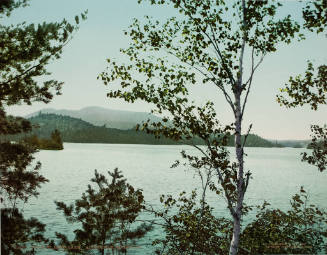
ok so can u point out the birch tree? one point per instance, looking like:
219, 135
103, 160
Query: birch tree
208, 42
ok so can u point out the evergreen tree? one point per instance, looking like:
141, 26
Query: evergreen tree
106, 214
56, 137
25, 51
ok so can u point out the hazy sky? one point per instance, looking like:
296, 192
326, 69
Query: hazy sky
101, 36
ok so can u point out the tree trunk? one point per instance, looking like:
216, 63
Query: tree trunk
240, 180
236, 237
237, 217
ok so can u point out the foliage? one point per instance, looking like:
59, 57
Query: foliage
205, 44
319, 146
311, 89
193, 228
315, 15
17, 231
24, 60
300, 230
106, 214
19, 181
13, 125
7, 6
25, 51
16, 161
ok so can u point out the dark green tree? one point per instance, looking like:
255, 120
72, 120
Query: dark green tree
56, 137
208, 43
53, 143
106, 214
20, 180
25, 51
18, 231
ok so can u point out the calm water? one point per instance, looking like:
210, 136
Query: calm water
278, 173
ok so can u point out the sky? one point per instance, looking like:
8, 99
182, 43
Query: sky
101, 36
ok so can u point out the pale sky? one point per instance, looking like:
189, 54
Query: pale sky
101, 36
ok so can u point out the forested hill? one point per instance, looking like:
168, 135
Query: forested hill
100, 116
78, 131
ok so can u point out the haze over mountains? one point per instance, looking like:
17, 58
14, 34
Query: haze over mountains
75, 130
99, 116
126, 120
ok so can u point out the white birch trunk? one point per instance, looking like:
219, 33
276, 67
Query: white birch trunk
240, 180
237, 217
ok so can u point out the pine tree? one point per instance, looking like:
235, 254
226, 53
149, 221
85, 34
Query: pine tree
106, 214
25, 51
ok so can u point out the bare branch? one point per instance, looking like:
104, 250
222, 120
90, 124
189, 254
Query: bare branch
212, 78
248, 175
249, 81
246, 136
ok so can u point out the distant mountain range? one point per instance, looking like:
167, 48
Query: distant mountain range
116, 121
99, 116
80, 131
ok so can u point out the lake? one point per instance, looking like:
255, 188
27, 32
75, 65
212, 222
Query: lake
278, 173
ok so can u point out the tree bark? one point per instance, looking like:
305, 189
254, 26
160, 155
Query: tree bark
237, 217
240, 180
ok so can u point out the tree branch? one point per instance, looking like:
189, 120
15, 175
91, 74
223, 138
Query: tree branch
246, 136
249, 81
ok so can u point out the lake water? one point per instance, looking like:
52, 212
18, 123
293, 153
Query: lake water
278, 173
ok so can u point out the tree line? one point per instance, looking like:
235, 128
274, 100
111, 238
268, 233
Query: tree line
78, 131
54, 143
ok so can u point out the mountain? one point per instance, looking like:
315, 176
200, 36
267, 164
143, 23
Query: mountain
99, 116
80, 131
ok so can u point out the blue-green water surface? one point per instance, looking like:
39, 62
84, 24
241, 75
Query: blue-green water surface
278, 173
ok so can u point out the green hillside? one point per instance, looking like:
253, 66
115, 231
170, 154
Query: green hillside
78, 131
99, 116
75, 130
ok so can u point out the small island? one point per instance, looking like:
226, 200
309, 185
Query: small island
53, 143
